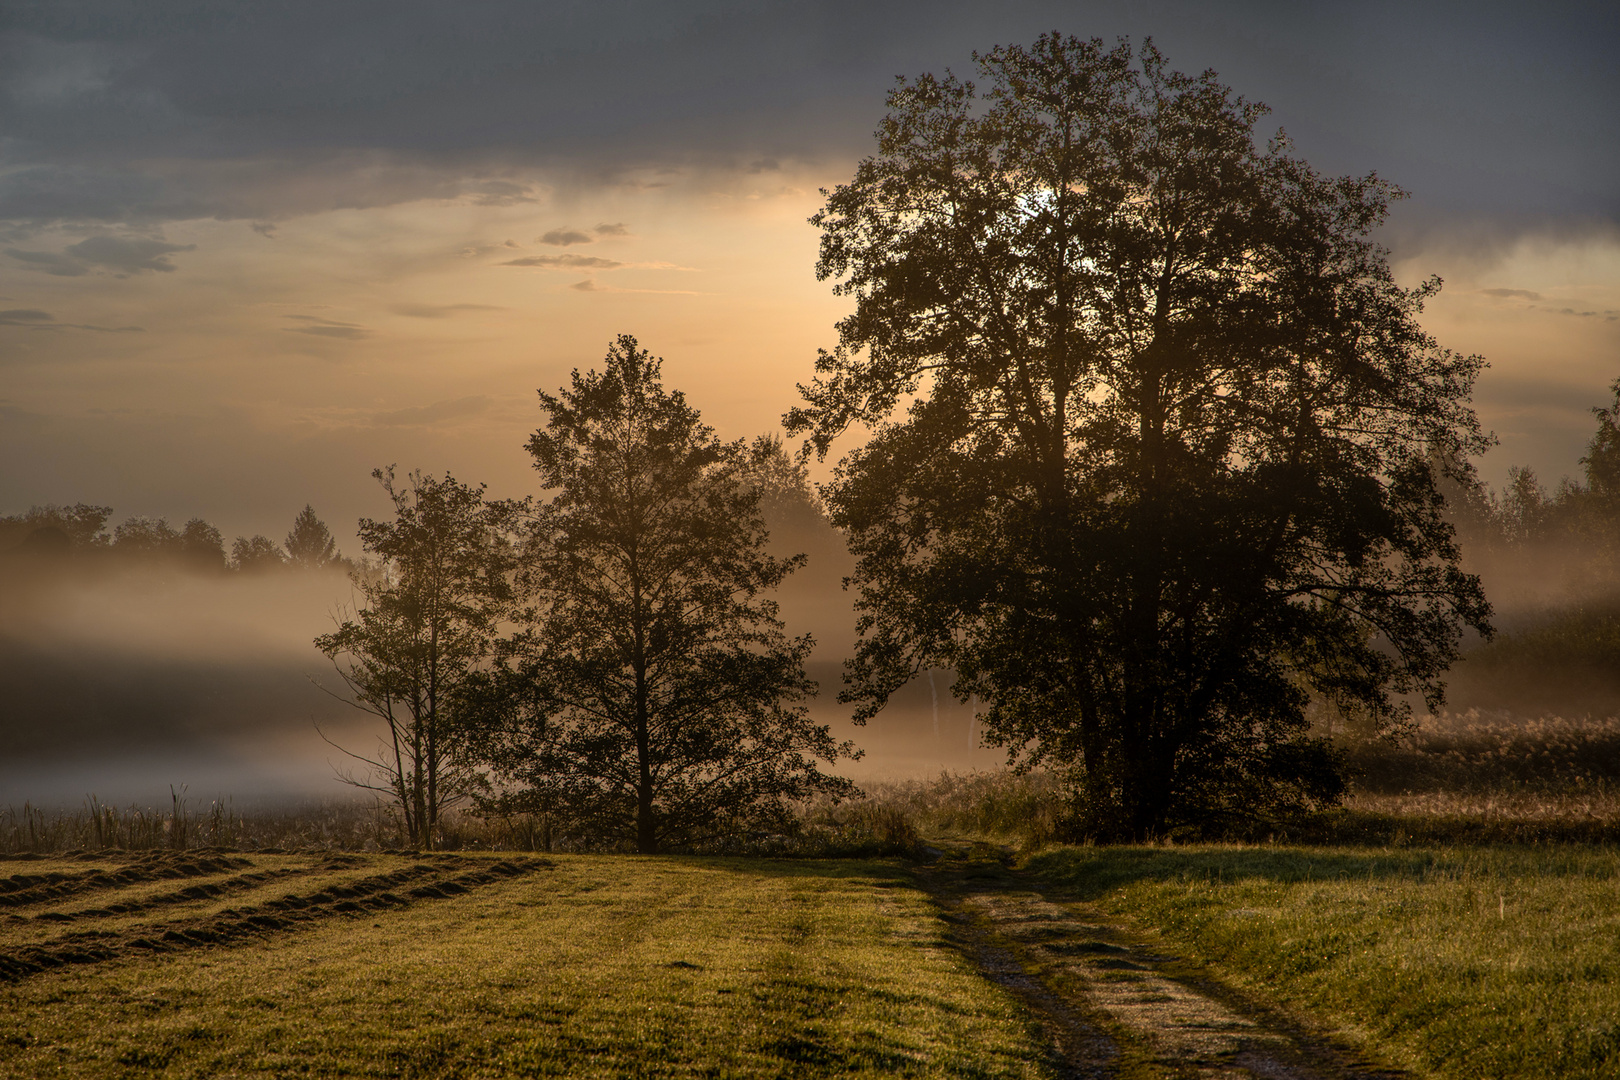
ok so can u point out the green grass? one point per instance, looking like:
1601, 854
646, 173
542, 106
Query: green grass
595, 966
1484, 962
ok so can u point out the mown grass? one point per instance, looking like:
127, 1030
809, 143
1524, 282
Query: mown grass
599, 966
1475, 962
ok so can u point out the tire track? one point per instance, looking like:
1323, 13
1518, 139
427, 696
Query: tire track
1104, 1001
398, 889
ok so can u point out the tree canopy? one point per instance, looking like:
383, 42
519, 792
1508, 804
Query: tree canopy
662, 697
1155, 436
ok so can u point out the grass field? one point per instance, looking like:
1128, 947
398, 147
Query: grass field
197, 965
1462, 962
1452, 921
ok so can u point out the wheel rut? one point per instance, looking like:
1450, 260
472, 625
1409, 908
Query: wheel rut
1110, 1006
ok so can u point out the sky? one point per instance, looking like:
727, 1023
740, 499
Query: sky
250, 252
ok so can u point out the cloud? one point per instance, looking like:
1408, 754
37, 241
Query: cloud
35, 319
566, 262
46, 262
1521, 294
129, 255
266, 229
329, 328
25, 317
437, 413
589, 285
121, 254
565, 237
119, 112
500, 193
617, 228
439, 311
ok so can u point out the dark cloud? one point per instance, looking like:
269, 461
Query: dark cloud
145, 112
1518, 294
439, 311
586, 286
565, 237
437, 413
329, 328
127, 255
44, 320
49, 263
500, 193
617, 228
562, 262
25, 317
120, 254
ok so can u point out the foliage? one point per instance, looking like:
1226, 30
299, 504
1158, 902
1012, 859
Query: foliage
426, 624
1573, 532
1169, 456
659, 695
80, 531
75, 527
310, 545
256, 554
198, 545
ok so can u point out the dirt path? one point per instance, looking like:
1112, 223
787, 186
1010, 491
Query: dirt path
1111, 1007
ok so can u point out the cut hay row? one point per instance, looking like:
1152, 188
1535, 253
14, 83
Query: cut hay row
396, 889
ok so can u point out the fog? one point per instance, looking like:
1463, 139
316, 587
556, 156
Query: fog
124, 682
120, 682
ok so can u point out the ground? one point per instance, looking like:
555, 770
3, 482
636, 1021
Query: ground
968, 962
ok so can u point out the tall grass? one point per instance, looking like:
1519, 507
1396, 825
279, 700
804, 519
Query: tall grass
1473, 753
182, 825
1461, 778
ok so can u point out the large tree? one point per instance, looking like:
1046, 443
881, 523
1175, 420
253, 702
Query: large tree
427, 622
1154, 433
662, 697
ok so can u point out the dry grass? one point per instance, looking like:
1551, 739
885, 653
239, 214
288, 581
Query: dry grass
1474, 752
446, 967
1459, 778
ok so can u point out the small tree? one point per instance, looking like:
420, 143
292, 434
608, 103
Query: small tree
310, 545
662, 693
427, 622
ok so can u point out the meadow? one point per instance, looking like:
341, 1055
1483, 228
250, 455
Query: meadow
260, 965
1458, 917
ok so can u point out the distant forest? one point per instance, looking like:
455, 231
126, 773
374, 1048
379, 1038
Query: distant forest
79, 532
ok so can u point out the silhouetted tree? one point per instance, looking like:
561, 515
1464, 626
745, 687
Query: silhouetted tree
202, 546
427, 621
197, 546
310, 545
1167, 465
660, 692
82, 524
256, 554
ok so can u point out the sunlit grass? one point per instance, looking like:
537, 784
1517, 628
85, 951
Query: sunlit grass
1482, 962
602, 966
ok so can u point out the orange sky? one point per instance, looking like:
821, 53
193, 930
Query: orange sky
274, 370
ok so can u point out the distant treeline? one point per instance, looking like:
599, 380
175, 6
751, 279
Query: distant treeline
1573, 531
80, 533
1550, 563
